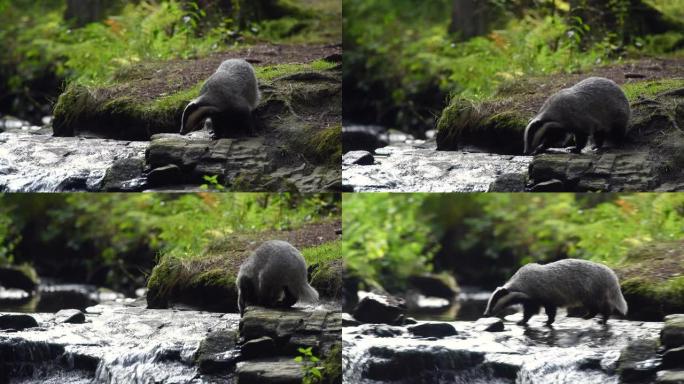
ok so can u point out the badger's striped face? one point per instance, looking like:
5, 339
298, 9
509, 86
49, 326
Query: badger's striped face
494, 303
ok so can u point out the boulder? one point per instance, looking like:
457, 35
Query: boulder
363, 137
672, 335
508, 182
279, 370
217, 352
125, 175
256, 348
439, 330
17, 322
490, 324
17, 278
73, 316
358, 157
165, 175
638, 361
349, 320
377, 308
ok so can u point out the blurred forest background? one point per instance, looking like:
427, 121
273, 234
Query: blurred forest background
114, 240
48, 43
482, 239
405, 58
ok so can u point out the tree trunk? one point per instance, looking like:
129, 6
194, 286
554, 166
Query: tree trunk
469, 18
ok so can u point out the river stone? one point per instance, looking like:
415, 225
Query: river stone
123, 174
508, 182
16, 278
217, 352
166, 175
638, 361
672, 335
280, 370
490, 324
363, 137
17, 322
410, 321
674, 358
405, 363
73, 316
261, 347
443, 286
433, 330
670, 377
358, 157
376, 308
349, 320
382, 330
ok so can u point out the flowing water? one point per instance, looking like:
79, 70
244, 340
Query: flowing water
408, 165
32, 160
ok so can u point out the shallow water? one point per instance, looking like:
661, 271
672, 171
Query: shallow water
417, 166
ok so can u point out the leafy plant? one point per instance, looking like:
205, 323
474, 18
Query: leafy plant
212, 183
312, 373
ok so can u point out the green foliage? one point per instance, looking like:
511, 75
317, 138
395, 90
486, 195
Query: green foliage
312, 373
212, 183
386, 237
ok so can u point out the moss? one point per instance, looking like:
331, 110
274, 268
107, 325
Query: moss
318, 146
332, 366
650, 88
327, 276
271, 72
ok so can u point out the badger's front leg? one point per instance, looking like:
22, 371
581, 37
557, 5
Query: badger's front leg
580, 142
530, 308
550, 310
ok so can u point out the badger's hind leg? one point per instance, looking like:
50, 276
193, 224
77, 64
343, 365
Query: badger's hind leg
599, 138
530, 308
288, 300
550, 310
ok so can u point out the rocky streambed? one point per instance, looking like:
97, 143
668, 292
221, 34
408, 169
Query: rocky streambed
124, 342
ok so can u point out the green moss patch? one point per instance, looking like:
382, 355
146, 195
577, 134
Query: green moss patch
207, 280
652, 280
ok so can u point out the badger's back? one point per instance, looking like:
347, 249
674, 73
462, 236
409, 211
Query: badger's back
234, 83
570, 282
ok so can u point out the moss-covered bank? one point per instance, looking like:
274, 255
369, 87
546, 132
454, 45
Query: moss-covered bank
207, 280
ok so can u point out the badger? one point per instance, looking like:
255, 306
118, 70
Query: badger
595, 107
228, 97
274, 275
564, 283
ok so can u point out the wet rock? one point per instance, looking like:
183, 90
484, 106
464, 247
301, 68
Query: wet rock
387, 364
638, 361
72, 316
490, 324
19, 358
349, 320
672, 335
363, 138
410, 321
673, 358
282, 370
17, 278
255, 348
552, 185
376, 308
358, 157
508, 182
670, 377
166, 175
125, 175
17, 322
438, 330
382, 330
216, 352
443, 285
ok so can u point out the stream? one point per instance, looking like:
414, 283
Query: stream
411, 165
32, 160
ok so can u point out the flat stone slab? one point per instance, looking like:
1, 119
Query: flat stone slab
270, 371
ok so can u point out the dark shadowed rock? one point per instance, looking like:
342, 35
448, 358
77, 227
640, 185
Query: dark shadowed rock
358, 157
125, 175
280, 370
672, 335
410, 321
255, 348
165, 175
17, 322
376, 308
433, 330
508, 182
216, 352
73, 316
17, 278
382, 330
349, 320
638, 361
673, 358
363, 138
490, 324
670, 377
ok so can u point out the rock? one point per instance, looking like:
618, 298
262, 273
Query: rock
670, 377
433, 330
125, 175
638, 361
17, 322
410, 321
349, 320
552, 185
363, 137
73, 316
672, 335
216, 352
17, 278
165, 175
673, 358
442, 285
358, 157
255, 348
508, 182
282, 370
382, 330
376, 308
490, 324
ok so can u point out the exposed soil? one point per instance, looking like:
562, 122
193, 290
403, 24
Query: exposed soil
153, 77
660, 263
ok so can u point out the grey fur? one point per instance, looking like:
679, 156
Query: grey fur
595, 107
564, 283
274, 275
228, 97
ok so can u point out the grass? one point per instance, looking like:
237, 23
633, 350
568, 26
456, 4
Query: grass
274, 71
635, 90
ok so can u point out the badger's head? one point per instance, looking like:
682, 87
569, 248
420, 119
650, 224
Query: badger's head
539, 135
502, 298
534, 133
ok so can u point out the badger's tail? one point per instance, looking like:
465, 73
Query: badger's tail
306, 293
620, 303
